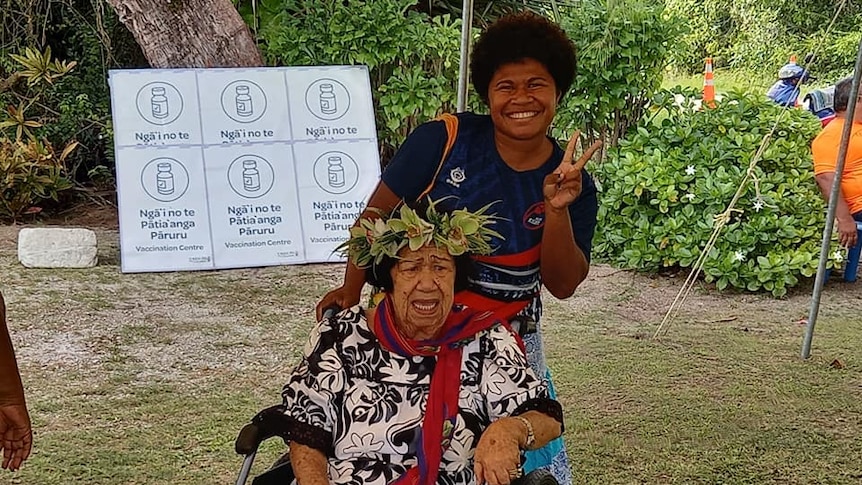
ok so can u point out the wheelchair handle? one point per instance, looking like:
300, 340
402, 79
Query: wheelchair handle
265, 425
248, 439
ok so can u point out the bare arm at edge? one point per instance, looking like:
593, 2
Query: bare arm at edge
846, 225
11, 390
16, 435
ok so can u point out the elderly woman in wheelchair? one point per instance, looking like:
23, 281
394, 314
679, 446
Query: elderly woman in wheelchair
416, 390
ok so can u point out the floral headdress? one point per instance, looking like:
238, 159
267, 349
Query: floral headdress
459, 232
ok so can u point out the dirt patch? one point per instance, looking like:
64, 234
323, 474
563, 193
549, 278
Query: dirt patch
156, 318
87, 214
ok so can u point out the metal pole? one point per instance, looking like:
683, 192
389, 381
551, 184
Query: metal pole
463, 67
833, 203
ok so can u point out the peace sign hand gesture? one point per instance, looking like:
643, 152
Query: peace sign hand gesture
563, 185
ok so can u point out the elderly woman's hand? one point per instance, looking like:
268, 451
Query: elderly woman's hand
498, 454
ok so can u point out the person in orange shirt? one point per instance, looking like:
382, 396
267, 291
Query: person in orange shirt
824, 149
16, 437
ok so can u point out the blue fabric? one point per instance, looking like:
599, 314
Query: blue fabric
487, 179
825, 113
553, 456
784, 93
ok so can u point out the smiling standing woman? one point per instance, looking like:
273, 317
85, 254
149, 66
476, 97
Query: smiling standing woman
522, 66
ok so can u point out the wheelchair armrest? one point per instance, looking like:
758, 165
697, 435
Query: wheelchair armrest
266, 424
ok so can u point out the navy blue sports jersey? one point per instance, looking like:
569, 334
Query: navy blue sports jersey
474, 175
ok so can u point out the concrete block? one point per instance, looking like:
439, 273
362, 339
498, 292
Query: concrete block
50, 247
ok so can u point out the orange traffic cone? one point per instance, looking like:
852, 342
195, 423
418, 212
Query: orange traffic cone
708, 85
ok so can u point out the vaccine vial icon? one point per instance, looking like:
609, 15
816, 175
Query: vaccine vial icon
164, 179
159, 103
336, 172
250, 176
244, 107
327, 99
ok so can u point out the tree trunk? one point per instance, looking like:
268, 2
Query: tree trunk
189, 33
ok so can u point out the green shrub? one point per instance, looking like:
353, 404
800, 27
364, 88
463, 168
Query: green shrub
664, 185
623, 48
31, 172
837, 55
412, 58
758, 36
90, 33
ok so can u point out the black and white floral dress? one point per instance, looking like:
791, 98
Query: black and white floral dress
363, 406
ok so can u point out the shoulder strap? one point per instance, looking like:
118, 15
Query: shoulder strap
451, 122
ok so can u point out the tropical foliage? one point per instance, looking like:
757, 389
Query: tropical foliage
412, 58
30, 170
85, 33
760, 35
624, 47
31, 173
666, 184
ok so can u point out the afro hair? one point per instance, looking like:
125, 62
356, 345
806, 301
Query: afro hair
520, 36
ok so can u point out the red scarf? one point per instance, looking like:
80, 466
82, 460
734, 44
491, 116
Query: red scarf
441, 411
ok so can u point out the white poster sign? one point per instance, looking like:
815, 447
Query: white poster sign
226, 168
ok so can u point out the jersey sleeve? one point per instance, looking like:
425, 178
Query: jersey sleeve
584, 212
416, 161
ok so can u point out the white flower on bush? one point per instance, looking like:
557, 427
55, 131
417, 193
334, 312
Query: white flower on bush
690, 196
758, 205
690, 170
739, 256
838, 256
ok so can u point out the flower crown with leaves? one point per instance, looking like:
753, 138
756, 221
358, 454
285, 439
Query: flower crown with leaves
459, 232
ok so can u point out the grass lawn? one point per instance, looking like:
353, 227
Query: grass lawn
725, 80
146, 378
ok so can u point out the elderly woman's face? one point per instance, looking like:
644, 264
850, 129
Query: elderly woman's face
522, 98
423, 290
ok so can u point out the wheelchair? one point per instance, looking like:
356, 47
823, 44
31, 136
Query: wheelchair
270, 423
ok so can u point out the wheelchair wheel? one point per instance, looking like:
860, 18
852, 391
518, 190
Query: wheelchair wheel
537, 477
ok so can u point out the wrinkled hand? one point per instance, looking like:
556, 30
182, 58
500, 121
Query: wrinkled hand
847, 233
498, 453
563, 186
16, 436
341, 297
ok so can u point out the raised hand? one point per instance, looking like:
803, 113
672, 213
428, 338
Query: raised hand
563, 186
